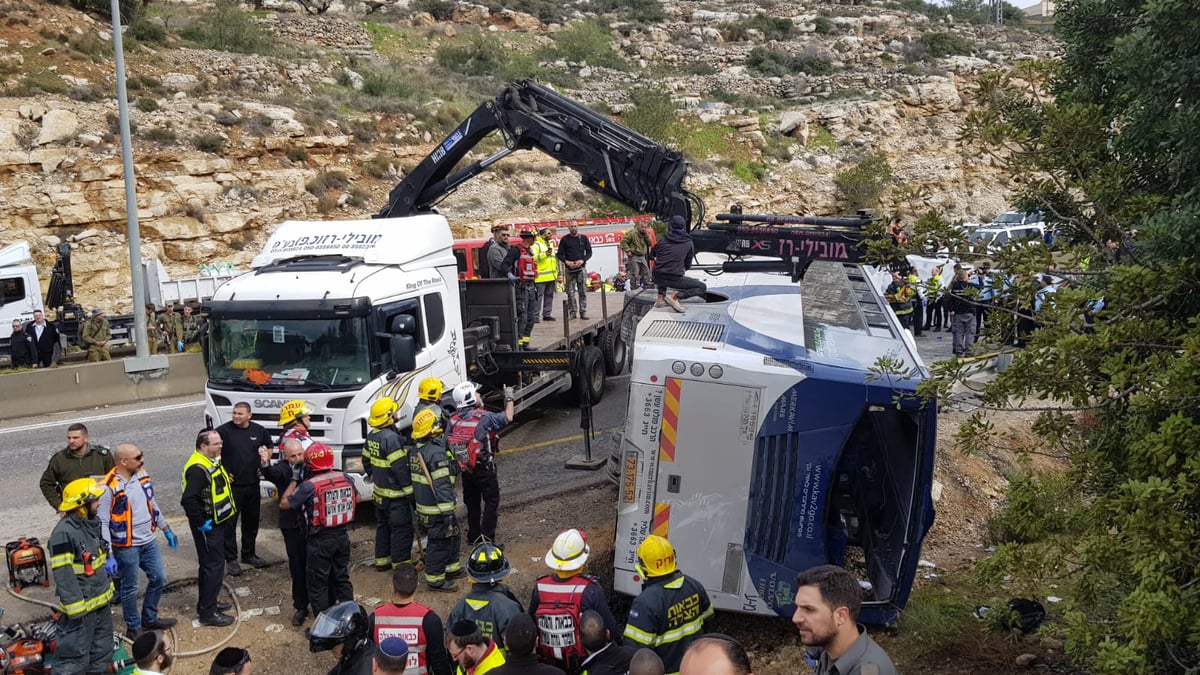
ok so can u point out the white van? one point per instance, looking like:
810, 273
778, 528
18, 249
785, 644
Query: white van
995, 237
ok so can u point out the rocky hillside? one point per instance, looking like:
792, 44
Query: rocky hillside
228, 144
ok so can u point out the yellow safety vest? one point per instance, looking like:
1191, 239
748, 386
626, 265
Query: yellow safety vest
219, 483
547, 264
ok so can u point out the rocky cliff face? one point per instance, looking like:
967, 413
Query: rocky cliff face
220, 155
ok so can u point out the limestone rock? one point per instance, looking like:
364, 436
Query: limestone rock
8, 134
58, 125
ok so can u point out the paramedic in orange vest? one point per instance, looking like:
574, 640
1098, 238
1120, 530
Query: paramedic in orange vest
129, 519
473, 440
327, 499
559, 599
522, 270
419, 625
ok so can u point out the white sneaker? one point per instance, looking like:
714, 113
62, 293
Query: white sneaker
674, 303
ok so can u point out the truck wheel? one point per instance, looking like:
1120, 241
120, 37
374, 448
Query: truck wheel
616, 352
591, 374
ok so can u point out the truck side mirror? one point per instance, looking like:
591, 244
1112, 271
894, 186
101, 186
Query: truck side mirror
403, 324
403, 352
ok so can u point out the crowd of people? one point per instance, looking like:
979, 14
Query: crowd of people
38, 343
107, 537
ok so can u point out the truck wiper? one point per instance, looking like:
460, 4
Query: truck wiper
239, 380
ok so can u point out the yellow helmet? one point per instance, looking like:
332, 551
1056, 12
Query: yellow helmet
292, 411
656, 557
430, 389
80, 492
383, 413
425, 424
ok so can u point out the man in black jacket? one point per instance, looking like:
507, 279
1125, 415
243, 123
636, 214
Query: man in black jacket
45, 337
672, 257
605, 657
243, 441
22, 348
521, 637
574, 251
290, 467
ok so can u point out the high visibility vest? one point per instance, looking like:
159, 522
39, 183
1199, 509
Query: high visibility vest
560, 603
219, 483
547, 264
407, 622
120, 524
492, 659
333, 500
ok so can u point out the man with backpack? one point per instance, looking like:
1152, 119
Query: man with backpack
559, 600
328, 500
522, 270
474, 443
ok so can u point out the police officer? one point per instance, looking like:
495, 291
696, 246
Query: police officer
291, 522
79, 459
327, 499
559, 600
387, 451
208, 502
473, 442
342, 629
433, 475
419, 625
95, 335
672, 608
429, 397
79, 561
490, 604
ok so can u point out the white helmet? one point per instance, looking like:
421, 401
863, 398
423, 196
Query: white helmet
464, 395
569, 552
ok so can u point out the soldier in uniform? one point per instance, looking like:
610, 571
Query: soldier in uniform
153, 334
192, 328
81, 567
171, 325
80, 459
95, 335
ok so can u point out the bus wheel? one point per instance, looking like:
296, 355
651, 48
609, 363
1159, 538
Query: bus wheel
616, 352
590, 375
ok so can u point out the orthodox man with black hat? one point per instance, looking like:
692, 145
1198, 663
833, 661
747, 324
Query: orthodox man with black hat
474, 653
79, 562
342, 630
419, 626
672, 258
153, 653
490, 604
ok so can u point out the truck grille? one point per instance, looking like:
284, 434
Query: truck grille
686, 330
772, 492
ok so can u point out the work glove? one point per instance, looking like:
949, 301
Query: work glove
508, 393
111, 567
172, 540
512, 277
179, 345
207, 526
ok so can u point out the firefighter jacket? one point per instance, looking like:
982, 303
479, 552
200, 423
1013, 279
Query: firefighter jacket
387, 453
206, 491
93, 333
77, 557
547, 264
434, 474
668, 616
900, 297
490, 606
119, 512
421, 628
65, 467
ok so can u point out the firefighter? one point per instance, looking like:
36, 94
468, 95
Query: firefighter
208, 502
342, 629
79, 561
433, 475
419, 625
560, 598
387, 451
672, 608
327, 499
473, 441
429, 393
490, 604
295, 419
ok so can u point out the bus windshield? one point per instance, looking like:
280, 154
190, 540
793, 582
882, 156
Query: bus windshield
316, 353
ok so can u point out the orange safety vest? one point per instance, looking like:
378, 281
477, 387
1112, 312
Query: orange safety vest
333, 501
408, 622
120, 526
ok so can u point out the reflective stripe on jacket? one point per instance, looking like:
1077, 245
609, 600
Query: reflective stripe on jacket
439, 496
388, 456
120, 524
220, 497
547, 264
668, 616
77, 558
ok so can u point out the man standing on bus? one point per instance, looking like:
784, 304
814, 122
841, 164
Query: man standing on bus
670, 613
574, 251
827, 602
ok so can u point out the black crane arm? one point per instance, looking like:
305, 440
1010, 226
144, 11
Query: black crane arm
610, 158
802, 240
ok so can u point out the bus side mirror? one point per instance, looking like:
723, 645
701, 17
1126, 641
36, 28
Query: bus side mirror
403, 352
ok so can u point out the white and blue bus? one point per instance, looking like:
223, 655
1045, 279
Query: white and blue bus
760, 442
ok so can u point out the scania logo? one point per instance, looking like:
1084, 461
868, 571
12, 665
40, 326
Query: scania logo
268, 403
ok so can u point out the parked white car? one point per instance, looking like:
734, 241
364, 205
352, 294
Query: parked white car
992, 237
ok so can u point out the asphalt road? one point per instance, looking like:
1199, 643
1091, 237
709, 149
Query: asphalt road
534, 452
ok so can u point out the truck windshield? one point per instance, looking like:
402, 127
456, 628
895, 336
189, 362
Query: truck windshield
318, 353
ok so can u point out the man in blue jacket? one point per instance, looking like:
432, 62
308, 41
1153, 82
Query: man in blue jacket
672, 257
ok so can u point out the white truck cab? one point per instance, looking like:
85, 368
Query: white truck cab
20, 294
338, 314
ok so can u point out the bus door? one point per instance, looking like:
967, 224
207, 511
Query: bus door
706, 447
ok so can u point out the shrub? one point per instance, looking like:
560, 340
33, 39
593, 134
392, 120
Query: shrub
772, 28
359, 198
481, 55
645, 11
822, 25
653, 113
146, 104
213, 143
297, 155
775, 63
146, 32
442, 10
946, 44
380, 167
587, 42
227, 28
86, 93
325, 181
161, 135
861, 186
130, 9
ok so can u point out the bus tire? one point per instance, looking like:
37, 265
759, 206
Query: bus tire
590, 378
616, 352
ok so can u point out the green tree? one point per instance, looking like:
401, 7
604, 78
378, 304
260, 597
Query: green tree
862, 185
1108, 143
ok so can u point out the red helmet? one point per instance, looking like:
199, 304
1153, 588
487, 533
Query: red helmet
594, 276
318, 457
527, 231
